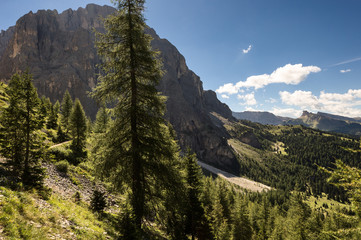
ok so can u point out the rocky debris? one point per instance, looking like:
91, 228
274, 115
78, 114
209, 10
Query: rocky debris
239, 181
66, 186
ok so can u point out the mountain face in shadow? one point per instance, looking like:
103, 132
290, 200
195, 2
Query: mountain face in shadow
59, 51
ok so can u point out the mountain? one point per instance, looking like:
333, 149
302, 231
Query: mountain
260, 117
322, 121
328, 122
59, 51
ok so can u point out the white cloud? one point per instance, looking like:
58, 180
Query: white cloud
271, 100
288, 74
225, 96
245, 51
345, 70
346, 104
303, 99
286, 112
228, 88
251, 109
248, 99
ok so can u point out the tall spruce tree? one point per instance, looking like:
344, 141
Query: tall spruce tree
66, 107
140, 154
196, 222
78, 130
22, 142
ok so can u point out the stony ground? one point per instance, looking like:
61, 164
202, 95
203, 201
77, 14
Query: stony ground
240, 181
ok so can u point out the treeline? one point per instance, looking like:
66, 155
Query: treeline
29, 125
132, 149
297, 166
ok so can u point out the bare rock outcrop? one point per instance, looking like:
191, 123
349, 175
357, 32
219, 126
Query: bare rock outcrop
59, 51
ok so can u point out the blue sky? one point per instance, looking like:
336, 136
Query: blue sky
280, 56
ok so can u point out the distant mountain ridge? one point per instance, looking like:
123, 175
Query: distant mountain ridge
320, 120
260, 117
328, 122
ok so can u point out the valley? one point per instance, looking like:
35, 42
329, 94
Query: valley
106, 133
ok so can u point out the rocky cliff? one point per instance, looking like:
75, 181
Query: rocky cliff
59, 51
328, 122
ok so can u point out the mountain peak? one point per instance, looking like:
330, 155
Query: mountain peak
59, 50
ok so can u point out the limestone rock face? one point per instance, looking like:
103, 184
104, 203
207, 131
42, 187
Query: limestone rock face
59, 51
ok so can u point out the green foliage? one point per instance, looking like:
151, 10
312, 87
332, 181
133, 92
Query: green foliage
348, 178
62, 166
137, 153
52, 122
21, 141
78, 127
3, 96
98, 201
65, 110
196, 222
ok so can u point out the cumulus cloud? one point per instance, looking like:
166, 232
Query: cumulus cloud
225, 96
248, 99
345, 70
227, 88
288, 74
346, 104
245, 51
287, 112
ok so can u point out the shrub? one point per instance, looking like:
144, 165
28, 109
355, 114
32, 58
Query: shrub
98, 201
62, 166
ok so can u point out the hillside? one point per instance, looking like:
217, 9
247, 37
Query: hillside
146, 166
260, 117
320, 120
328, 122
59, 50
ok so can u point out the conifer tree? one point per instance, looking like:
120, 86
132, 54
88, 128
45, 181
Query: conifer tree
78, 128
3, 97
102, 120
57, 107
140, 154
66, 107
52, 122
22, 144
196, 222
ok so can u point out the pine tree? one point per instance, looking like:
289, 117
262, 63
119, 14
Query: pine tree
139, 154
102, 120
78, 128
66, 107
22, 142
196, 222
52, 122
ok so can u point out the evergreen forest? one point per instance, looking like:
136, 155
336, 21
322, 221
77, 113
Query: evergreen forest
132, 180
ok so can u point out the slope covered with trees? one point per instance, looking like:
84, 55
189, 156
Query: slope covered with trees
132, 180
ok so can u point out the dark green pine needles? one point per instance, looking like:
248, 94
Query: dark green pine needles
139, 153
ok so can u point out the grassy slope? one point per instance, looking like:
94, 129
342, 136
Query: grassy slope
23, 215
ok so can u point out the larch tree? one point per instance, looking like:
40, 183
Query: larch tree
22, 142
139, 155
66, 107
78, 131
